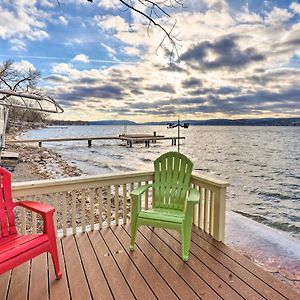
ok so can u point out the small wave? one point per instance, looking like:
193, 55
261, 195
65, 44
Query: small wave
291, 228
117, 156
144, 159
275, 195
122, 168
256, 218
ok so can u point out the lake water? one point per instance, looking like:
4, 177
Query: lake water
262, 164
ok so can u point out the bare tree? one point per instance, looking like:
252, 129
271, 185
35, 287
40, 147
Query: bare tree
19, 81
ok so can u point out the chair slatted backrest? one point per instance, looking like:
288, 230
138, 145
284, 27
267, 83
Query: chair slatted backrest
7, 216
172, 173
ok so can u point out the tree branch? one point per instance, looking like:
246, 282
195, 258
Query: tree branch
157, 8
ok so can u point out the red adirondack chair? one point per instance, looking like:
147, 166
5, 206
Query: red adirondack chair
17, 248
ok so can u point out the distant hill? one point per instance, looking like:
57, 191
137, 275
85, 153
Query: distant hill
216, 122
113, 122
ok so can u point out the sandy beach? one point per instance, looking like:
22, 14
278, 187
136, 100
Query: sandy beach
41, 163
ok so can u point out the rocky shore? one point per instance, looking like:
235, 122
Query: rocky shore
40, 163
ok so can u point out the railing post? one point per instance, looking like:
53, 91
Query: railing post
219, 214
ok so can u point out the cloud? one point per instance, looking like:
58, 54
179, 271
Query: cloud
23, 65
62, 68
63, 20
191, 83
224, 53
278, 16
47, 3
295, 7
55, 79
88, 92
17, 44
132, 51
81, 58
110, 4
110, 22
165, 88
22, 20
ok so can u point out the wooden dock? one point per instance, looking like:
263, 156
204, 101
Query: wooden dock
129, 138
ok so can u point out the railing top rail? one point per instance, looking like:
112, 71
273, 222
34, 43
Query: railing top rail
17, 186
210, 180
85, 179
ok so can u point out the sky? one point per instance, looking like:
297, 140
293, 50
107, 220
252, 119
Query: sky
236, 59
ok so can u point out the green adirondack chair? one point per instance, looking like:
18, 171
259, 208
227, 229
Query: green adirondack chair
173, 199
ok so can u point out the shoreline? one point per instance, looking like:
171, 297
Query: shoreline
38, 163
41, 163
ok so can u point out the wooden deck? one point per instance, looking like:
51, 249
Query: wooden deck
98, 265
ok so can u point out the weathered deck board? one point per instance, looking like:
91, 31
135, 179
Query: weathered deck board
78, 285
220, 278
134, 279
38, 288
94, 272
58, 288
114, 277
245, 263
4, 284
157, 283
18, 287
99, 265
191, 278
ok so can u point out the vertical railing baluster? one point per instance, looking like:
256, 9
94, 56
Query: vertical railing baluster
211, 214
100, 206
195, 214
219, 214
124, 203
147, 197
109, 206
206, 213
34, 220
131, 189
201, 208
74, 214
92, 213
83, 213
54, 204
64, 213
23, 218
116, 204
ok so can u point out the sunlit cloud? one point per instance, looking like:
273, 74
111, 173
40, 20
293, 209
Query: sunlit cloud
81, 58
235, 60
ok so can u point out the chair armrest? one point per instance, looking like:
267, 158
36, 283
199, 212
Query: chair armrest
38, 207
136, 196
140, 190
194, 197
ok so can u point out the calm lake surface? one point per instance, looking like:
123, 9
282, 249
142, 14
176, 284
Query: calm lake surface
262, 164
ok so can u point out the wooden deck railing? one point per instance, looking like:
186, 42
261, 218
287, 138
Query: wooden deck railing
90, 202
